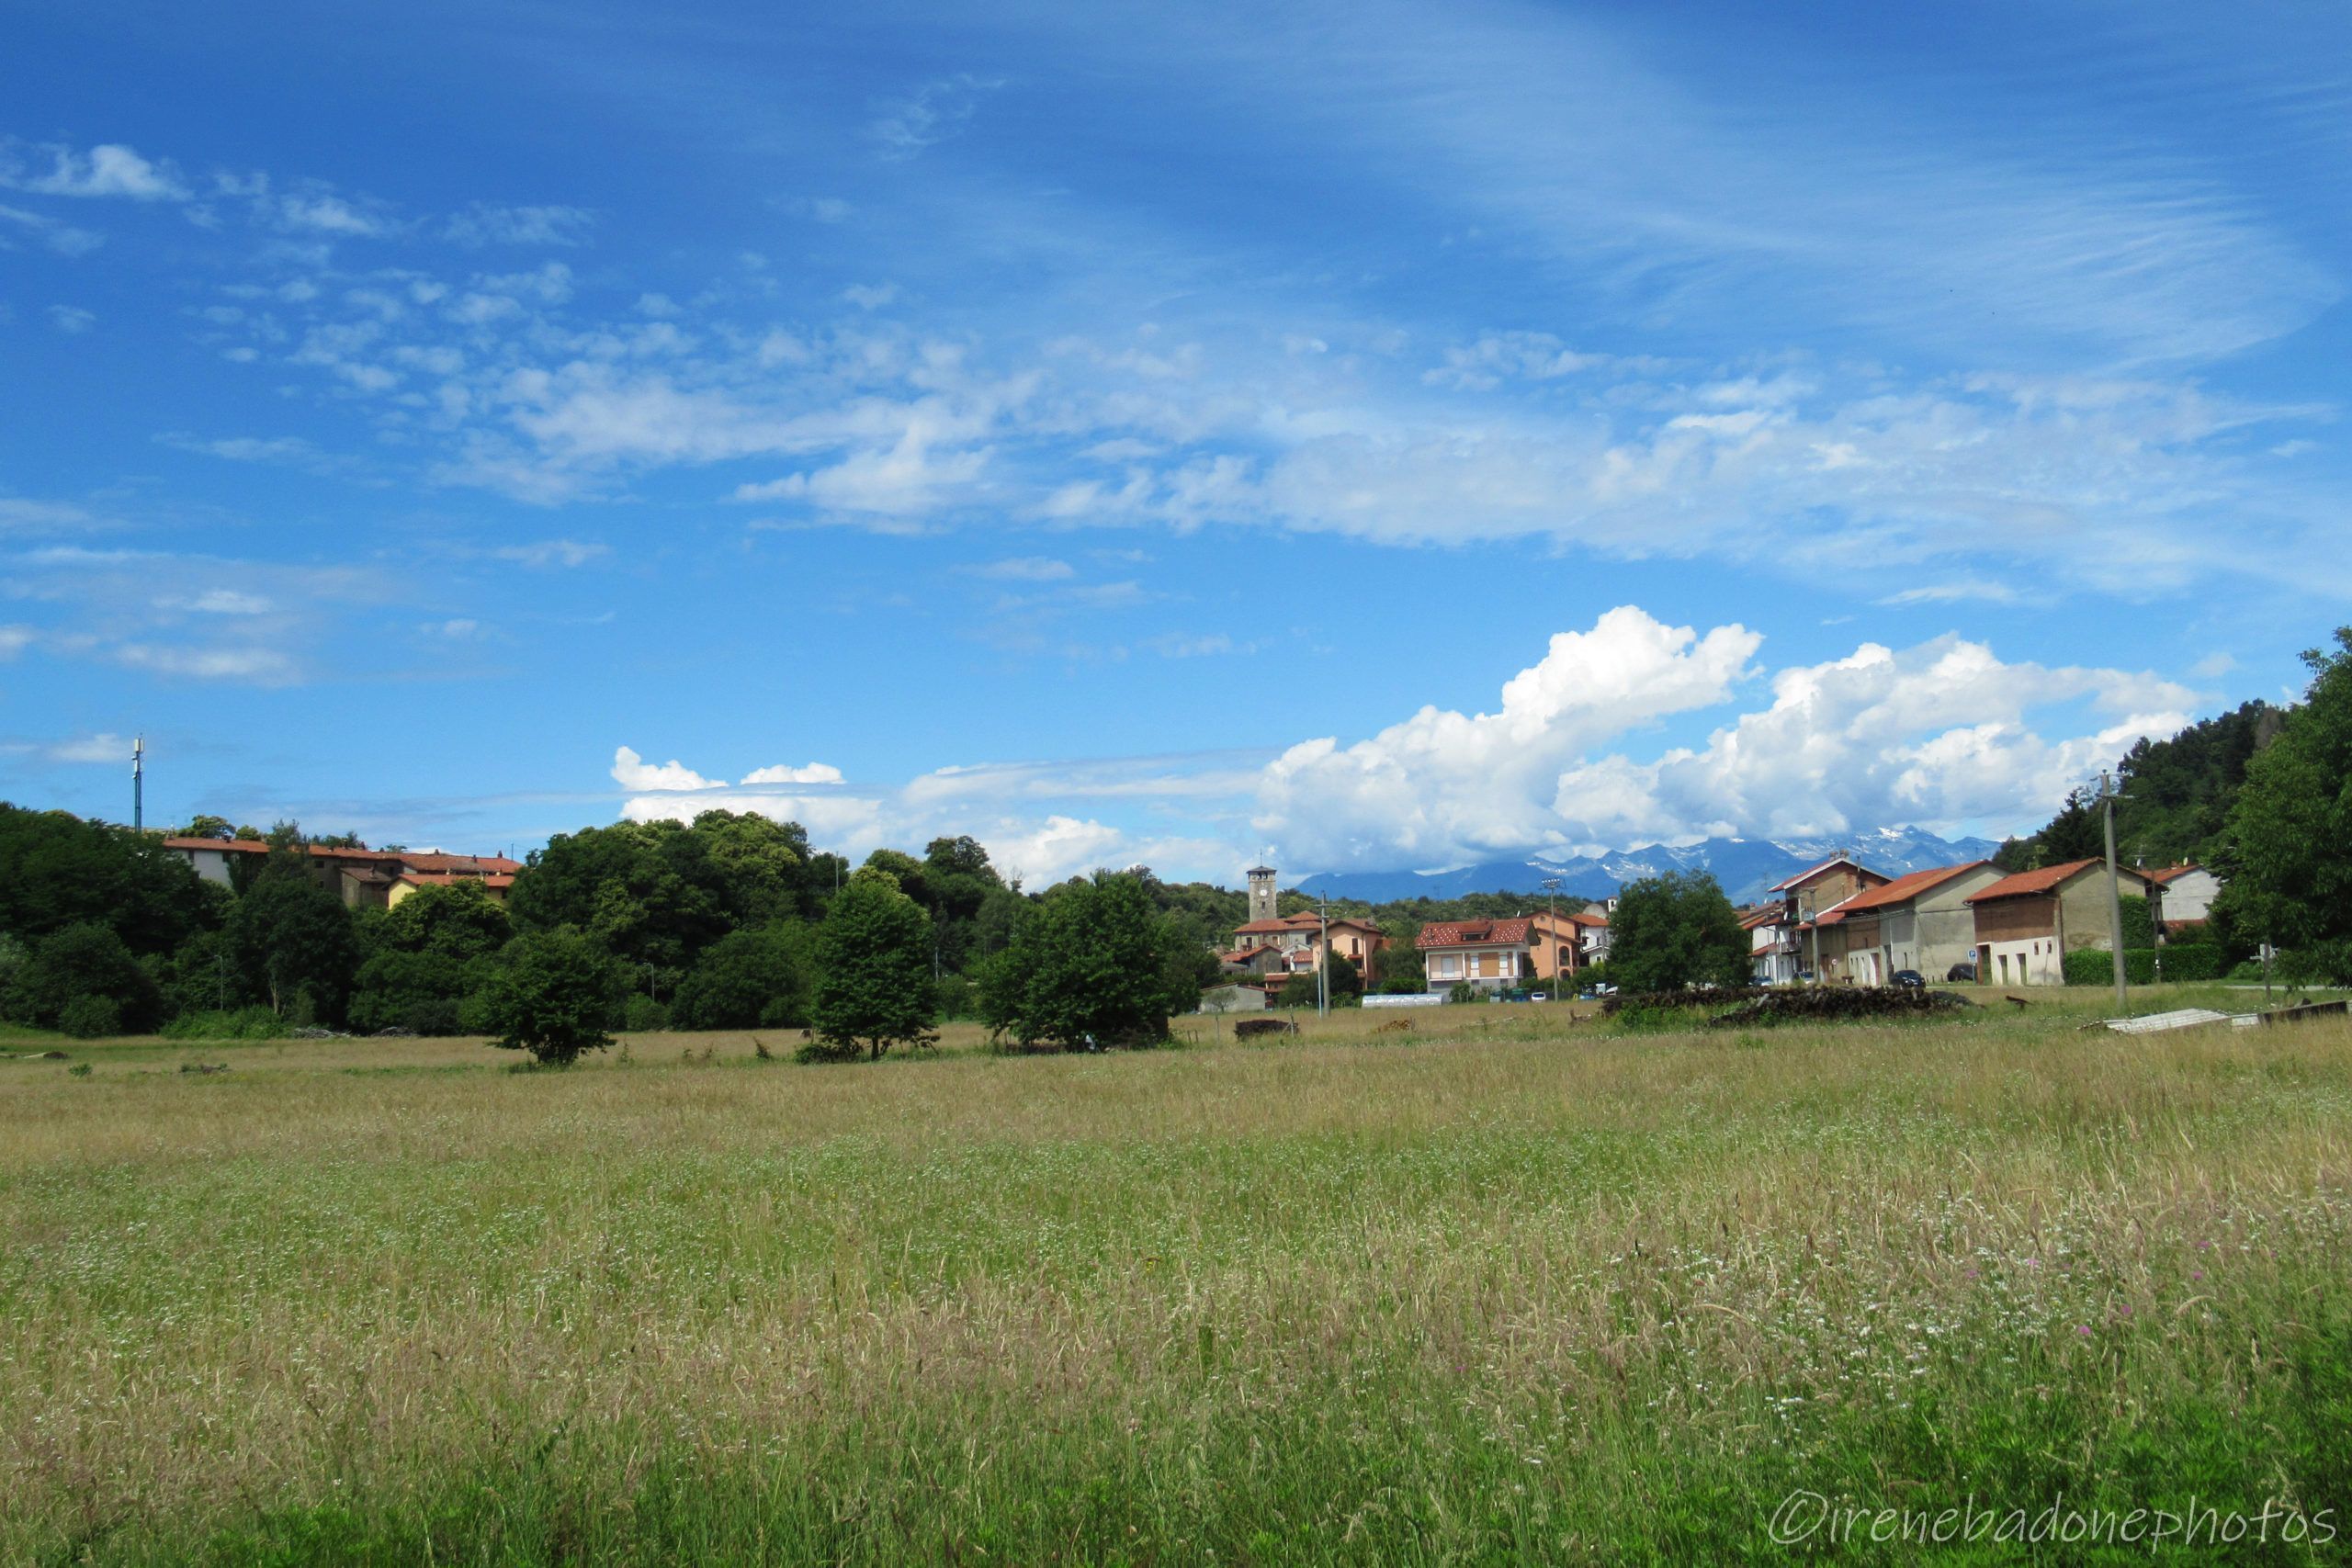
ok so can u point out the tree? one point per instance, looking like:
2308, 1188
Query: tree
297, 937
760, 865
551, 993
1091, 964
2077, 832
1676, 930
57, 870
414, 974
874, 984
81, 965
747, 979
2289, 843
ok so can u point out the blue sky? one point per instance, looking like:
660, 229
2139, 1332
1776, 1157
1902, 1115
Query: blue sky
1377, 435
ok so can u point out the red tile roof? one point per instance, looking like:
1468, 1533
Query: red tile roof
2166, 874
1265, 927
1811, 871
237, 846
1907, 887
2027, 882
1473, 933
419, 860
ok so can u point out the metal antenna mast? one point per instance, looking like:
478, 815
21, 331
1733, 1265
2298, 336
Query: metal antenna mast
139, 782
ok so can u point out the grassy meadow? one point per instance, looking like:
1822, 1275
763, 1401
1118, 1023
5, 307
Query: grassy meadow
1514, 1285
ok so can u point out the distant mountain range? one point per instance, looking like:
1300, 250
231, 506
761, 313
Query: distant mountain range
1745, 867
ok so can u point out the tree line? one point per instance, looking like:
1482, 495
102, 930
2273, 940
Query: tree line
2262, 796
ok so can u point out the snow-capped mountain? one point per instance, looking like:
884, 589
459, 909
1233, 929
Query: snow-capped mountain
1745, 867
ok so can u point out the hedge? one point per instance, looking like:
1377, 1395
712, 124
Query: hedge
2096, 965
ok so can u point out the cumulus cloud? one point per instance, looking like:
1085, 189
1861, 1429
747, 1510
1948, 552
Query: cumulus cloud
1935, 734
1942, 735
633, 771
1445, 787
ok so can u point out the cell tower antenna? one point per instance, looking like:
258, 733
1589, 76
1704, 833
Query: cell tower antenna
138, 782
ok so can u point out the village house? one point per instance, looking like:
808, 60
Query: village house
1275, 947
2184, 896
2026, 924
363, 879
1789, 946
1921, 921
1491, 955
1563, 946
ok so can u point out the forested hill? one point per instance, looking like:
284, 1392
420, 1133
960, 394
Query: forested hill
2176, 802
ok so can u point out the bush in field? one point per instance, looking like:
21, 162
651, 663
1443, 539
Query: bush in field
1094, 964
549, 993
90, 1018
642, 1015
245, 1023
754, 978
873, 986
83, 963
1676, 930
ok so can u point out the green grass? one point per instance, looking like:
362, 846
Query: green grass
1509, 1288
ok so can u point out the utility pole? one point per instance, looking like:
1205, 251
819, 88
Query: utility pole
2114, 890
138, 782
1552, 932
1323, 960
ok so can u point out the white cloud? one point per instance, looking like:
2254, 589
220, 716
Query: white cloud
64, 238
632, 772
1936, 735
813, 772
256, 666
14, 640
1027, 568
482, 224
106, 170
870, 297
927, 116
552, 552
1443, 787
221, 602
70, 319
105, 746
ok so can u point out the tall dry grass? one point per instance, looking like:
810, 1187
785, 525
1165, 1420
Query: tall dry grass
1540, 1290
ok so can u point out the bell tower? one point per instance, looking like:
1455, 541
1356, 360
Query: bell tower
1262, 893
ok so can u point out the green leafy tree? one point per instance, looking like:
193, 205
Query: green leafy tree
418, 953
874, 984
1091, 962
1675, 930
759, 866
57, 870
297, 939
2289, 859
747, 979
551, 993
85, 963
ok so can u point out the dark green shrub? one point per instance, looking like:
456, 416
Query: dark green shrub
643, 1015
90, 1018
255, 1022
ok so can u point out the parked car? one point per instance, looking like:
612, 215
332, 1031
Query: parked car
1911, 979
1961, 972
1539, 995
